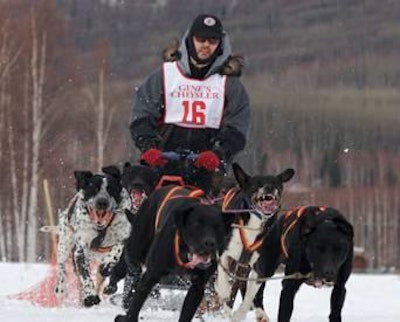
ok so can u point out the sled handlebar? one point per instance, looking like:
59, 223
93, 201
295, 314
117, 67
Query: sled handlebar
176, 156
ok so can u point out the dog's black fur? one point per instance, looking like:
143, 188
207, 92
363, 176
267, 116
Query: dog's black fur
262, 194
202, 231
320, 243
140, 181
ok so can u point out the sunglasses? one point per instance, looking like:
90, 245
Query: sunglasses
211, 41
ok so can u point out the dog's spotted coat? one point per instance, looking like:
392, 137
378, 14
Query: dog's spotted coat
90, 238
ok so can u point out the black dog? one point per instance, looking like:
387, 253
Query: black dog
140, 181
260, 199
175, 232
316, 242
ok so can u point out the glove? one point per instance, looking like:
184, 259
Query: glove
207, 160
153, 158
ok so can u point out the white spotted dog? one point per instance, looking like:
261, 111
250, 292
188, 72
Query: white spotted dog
254, 207
93, 228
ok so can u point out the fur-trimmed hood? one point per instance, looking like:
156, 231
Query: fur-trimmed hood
226, 63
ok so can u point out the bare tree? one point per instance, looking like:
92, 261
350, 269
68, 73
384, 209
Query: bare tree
104, 112
37, 67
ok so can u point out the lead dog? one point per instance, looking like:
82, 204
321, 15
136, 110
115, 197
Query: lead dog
93, 227
259, 197
316, 242
175, 232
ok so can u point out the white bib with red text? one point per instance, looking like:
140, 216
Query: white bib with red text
191, 102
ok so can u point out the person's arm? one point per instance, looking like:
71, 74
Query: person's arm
146, 112
232, 136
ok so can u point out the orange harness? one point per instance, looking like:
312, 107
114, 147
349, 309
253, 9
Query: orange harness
298, 212
242, 231
174, 193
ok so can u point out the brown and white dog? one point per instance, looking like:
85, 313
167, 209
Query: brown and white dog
93, 228
256, 204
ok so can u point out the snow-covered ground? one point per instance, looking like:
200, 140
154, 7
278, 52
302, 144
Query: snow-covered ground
370, 298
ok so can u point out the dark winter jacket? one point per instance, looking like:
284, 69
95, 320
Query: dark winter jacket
147, 127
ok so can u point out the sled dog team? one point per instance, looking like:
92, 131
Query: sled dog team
121, 222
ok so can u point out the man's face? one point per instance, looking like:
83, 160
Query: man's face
205, 47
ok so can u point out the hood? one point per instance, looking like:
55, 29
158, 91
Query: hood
225, 63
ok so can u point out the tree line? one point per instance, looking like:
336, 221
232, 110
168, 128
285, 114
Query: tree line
62, 109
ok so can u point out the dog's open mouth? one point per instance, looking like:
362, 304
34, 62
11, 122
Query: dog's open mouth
100, 217
199, 260
267, 204
137, 198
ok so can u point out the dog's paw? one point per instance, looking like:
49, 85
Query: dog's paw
91, 300
60, 290
261, 316
121, 318
238, 315
227, 310
110, 289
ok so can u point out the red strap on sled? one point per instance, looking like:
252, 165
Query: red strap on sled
173, 179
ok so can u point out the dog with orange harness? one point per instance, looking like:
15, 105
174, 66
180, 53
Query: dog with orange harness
176, 232
316, 246
253, 207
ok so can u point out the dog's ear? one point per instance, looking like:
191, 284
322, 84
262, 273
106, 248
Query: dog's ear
241, 177
113, 171
181, 214
308, 221
286, 175
344, 226
81, 177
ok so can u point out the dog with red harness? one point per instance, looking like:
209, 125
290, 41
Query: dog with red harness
176, 232
93, 228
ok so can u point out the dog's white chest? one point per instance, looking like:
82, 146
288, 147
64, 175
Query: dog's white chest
251, 231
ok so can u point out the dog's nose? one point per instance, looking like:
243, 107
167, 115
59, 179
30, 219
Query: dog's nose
102, 203
209, 244
329, 274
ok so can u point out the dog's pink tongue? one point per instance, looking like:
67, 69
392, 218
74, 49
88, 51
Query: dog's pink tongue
137, 197
198, 259
268, 206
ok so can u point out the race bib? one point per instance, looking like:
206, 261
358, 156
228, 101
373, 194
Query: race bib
191, 102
